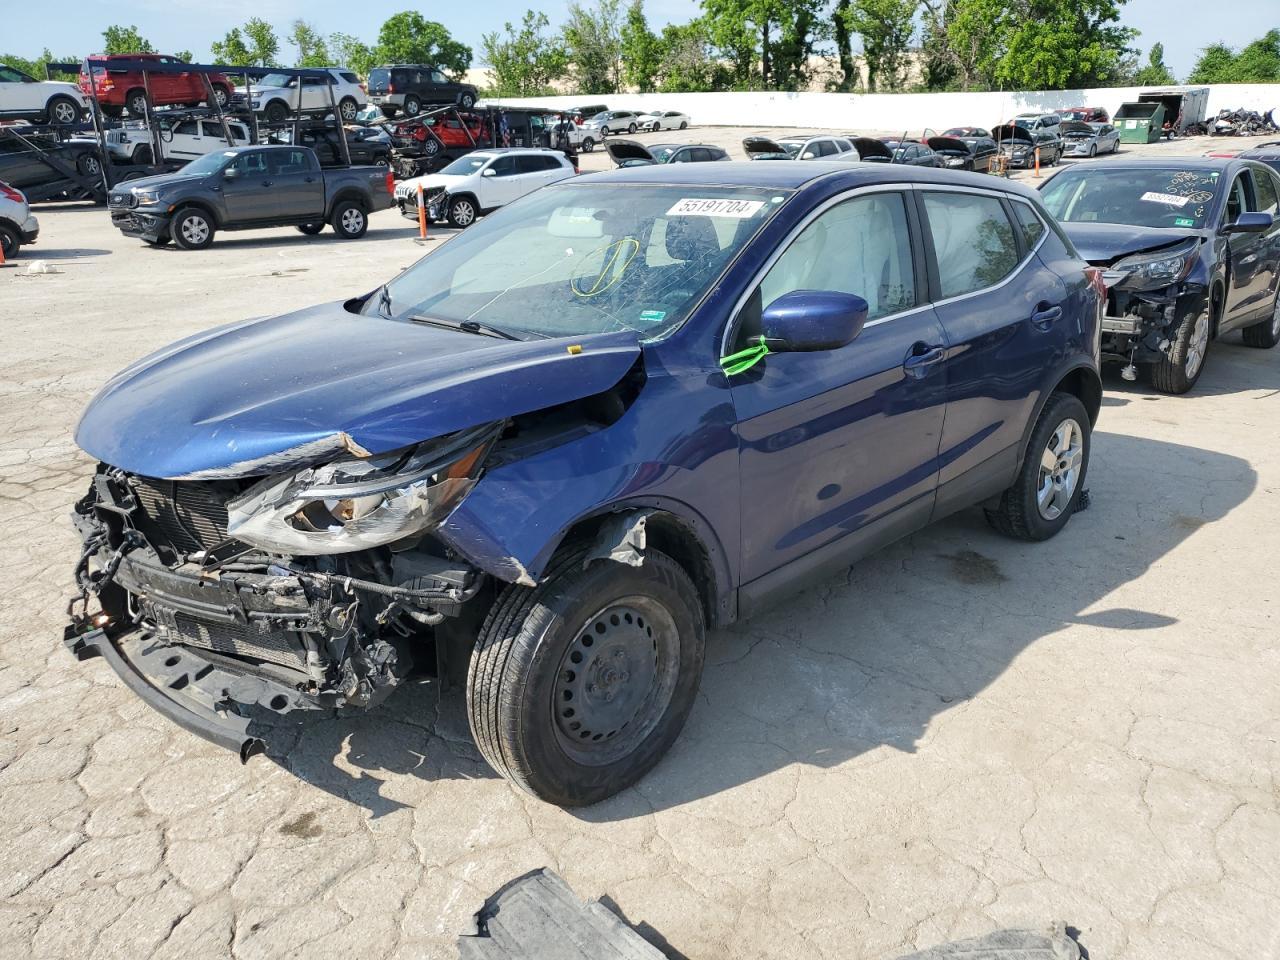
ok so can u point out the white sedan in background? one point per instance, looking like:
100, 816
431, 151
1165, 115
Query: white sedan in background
663, 120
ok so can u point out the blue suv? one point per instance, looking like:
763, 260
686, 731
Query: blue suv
550, 455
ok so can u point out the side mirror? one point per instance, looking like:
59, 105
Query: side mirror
1250, 223
230, 173
489, 172
807, 155
804, 320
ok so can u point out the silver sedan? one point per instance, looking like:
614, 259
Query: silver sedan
1088, 139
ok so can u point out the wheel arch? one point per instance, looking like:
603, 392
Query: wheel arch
463, 195
1082, 381
204, 206
344, 194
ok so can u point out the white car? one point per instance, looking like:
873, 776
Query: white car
17, 225
663, 120
481, 181
181, 141
799, 148
278, 96
26, 98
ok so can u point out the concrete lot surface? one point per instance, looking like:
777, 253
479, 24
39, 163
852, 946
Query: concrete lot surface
960, 733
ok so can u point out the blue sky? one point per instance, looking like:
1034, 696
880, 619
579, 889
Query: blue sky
75, 26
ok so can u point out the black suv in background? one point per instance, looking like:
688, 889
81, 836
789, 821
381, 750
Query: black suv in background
412, 86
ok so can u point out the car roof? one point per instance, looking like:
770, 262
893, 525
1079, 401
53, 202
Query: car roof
791, 176
1187, 163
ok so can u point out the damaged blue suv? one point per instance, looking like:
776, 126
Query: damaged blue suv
549, 456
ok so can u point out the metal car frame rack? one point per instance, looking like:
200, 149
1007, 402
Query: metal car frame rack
424, 160
110, 170
73, 181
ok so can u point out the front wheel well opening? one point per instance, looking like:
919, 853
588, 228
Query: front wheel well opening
1085, 385
666, 533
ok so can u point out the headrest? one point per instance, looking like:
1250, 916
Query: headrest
691, 238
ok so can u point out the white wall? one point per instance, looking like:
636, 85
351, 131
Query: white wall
894, 111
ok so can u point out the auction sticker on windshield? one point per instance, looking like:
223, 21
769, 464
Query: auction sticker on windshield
1170, 198
696, 207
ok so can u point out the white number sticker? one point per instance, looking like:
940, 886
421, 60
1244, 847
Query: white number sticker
736, 209
1170, 198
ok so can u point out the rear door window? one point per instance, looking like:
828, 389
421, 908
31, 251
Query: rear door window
1029, 223
973, 241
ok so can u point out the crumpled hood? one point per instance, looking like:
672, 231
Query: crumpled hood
268, 395
1102, 243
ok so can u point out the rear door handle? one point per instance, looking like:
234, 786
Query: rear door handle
922, 357
266, 183
1044, 317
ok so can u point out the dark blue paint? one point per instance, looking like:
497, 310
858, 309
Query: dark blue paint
813, 320
806, 451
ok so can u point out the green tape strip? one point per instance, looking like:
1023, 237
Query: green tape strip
744, 360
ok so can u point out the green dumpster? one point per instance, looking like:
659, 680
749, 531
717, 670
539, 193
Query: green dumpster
1139, 122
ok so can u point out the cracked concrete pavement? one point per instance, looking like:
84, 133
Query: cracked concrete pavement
957, 734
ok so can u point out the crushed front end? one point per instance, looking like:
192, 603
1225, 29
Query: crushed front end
237, 601
1149, 295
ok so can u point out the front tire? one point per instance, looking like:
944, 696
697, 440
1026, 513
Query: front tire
462, 212
88, 165
578, 686
684, 124
467, 101
1047, 490
137, 104
10, 242
631, 128
62, 110
1266, 334
276, 112
349, 220
588, 144
1093, 150
1179, 371
221, 96
192, 229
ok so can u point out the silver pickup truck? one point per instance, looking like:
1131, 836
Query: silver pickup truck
247, 188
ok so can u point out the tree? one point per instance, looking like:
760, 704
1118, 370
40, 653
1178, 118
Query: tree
1060, 44
593, 40
186, 56
312, 49
263, 45
348, 51
524, 62
408, 37
35, 68
686, 62
765, 42
117, 39
231, 50
1259, 62
641, 50
886, 27
844, 47
1155, 73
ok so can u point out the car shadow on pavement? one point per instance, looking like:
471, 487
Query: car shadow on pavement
69, 253
861, 662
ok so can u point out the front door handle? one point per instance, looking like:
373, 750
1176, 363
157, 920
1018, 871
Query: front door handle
922, 358
1045, 315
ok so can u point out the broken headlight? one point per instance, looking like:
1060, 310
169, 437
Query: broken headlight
1150, 271
358, 503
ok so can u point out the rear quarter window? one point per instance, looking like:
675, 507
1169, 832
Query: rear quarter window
1029, 223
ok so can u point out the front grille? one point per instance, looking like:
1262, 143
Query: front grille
187, 516
125, 200
241, 640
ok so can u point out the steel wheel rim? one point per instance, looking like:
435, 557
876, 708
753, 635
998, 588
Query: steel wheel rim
616, 681
1059, 474
195, 230
352, 220
463, 213
1197, 344
63, 112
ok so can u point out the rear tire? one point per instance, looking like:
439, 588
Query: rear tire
684, 124
88, 165
588, 145
310, 229
579, 686
388, 112
1179, 371
137, 104
412, 106
276, 112
10, 242
191, 229
348, 109
1039, 505
1266, 334
631, 128
349, 220
221, 96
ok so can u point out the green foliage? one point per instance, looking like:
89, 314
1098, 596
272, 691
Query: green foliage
687, 62
408, 37
35, 68
313, 51
886, 27
117, 39
1155, 73
1259, 62
184, 55
593, 40
524, 62
231, 49
844, 48
641, 50
253, 44
349, 51
765, 43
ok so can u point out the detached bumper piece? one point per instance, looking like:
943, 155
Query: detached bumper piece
213, 702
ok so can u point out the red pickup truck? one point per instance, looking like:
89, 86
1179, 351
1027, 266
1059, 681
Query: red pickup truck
119, 90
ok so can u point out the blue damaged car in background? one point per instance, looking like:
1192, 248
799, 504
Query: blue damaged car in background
552, 454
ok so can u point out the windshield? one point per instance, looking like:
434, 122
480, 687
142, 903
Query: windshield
209, 163
274, 80
466, 165
662, 154
791, 146
580, 259
1159, 197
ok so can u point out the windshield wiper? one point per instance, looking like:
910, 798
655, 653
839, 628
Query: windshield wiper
469, 326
